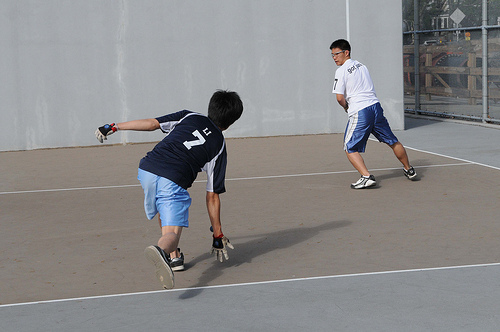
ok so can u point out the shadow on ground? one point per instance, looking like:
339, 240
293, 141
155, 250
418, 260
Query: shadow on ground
258, 245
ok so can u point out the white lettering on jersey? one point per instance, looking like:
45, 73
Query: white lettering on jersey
206, 132
353, 68
199, 141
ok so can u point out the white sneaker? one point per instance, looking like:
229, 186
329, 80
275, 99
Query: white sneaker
410, 174
163, 271
364, 182
177, 264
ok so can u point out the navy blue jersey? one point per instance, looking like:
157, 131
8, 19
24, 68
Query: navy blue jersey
193, 144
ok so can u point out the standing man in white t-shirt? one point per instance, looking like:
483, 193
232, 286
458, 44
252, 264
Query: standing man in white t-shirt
356, 94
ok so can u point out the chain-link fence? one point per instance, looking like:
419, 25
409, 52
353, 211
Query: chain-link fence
457, 44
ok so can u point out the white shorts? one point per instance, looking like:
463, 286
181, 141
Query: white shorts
165, 197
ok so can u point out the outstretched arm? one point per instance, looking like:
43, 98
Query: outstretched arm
103, 132
139, 125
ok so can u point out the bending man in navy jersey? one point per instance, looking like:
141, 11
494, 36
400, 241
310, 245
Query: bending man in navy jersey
194, 143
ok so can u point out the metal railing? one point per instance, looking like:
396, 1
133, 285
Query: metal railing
459, 79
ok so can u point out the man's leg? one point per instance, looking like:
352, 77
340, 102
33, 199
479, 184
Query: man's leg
170, 239
158, 256
177, 231
366, 179
170, 236
358, 163
382, 131
400, 153
355, 137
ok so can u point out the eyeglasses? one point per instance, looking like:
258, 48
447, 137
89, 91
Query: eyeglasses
337, 53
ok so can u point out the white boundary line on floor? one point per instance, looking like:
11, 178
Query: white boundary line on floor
256, 283
343, 172
67, 189
443, 155
458, 159
233, 179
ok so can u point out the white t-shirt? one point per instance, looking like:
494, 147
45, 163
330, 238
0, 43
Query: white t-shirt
353, 80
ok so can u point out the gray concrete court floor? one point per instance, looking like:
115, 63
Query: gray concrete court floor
309, 251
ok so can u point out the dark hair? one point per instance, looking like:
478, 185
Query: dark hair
224, 108
342, 44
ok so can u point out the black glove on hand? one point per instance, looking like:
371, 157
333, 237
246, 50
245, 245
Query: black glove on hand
219, 247
103, 132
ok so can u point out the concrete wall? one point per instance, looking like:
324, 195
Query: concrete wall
68, 67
